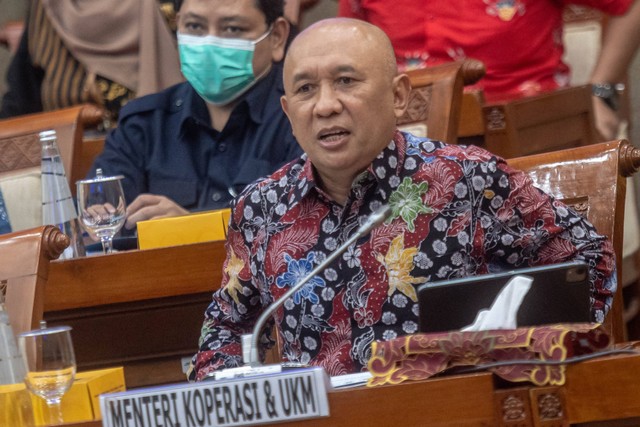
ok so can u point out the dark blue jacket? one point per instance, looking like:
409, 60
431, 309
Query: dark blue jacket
164, 144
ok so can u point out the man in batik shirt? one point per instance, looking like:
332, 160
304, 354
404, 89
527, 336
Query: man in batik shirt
456, 211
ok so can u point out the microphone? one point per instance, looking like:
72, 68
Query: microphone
250, 342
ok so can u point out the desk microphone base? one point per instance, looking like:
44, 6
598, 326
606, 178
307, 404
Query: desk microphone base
246, 371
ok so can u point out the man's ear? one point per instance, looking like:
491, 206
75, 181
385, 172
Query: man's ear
285, 108
283, 103
278, 38
401, 91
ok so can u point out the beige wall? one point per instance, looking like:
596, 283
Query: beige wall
324, 9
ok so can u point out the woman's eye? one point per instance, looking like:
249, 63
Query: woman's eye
345, 80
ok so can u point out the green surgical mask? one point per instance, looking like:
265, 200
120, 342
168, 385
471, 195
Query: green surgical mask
219, 69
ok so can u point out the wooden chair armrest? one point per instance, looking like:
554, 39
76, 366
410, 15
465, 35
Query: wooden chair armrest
54, 242
629, 159
472, 71
91, 116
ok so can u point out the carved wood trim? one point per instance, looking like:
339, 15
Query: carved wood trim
548, 407
578, 204
418, 109
513, 408
496, 119
54, 241
20, 152
628, 159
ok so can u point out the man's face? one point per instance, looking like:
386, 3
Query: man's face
340, 97
236, 19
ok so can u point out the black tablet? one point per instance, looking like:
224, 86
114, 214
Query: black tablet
559, 293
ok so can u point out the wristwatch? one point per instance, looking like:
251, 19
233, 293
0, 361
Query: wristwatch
609, 93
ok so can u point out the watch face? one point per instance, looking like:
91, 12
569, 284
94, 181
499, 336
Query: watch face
608, 93
603, 89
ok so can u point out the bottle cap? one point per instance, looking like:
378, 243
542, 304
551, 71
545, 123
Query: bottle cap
47, 135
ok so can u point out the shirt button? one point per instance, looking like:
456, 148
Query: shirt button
179, 103
216, 196
222, 147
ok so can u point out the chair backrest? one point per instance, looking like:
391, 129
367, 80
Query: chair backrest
20, 154
20, 145
24, 269
549, 121
436, 98
591, 179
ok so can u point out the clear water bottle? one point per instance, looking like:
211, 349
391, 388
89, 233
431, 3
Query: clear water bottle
58, 207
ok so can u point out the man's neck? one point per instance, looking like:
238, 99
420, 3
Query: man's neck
337, 187
219, 114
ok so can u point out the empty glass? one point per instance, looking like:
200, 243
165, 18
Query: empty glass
101, 207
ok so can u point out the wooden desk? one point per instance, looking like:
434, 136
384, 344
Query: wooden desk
137, 309
605, 389
148, 290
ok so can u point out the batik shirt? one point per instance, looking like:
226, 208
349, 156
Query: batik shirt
456, 211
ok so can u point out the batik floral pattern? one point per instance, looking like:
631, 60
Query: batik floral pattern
457, 211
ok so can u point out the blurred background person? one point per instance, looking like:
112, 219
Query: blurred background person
519, 41
96, 51
195, 145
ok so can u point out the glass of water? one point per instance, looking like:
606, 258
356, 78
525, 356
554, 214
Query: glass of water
101, 207
50, 365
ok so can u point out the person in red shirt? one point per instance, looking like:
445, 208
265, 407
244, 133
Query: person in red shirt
519, 41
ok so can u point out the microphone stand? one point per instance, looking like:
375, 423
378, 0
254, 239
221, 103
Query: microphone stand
250, 342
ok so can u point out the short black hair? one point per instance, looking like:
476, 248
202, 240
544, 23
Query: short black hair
272, 9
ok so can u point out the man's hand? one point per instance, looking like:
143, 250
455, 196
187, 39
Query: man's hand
607, 120
150, 206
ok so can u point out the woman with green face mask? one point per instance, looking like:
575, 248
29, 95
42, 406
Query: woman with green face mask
196, 145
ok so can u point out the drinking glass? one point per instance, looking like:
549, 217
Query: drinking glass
50, 365
101, 207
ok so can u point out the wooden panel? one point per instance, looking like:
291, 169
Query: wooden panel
139, 309
134, 276
599, 391
603, 389
149, 338
450, 401
471, 121
546, 122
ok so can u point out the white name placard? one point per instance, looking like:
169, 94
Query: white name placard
289, 395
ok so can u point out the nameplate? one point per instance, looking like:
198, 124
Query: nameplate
265, 399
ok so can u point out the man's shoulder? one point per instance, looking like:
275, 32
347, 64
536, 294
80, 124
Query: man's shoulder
442, 150
280, 182
169, 100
